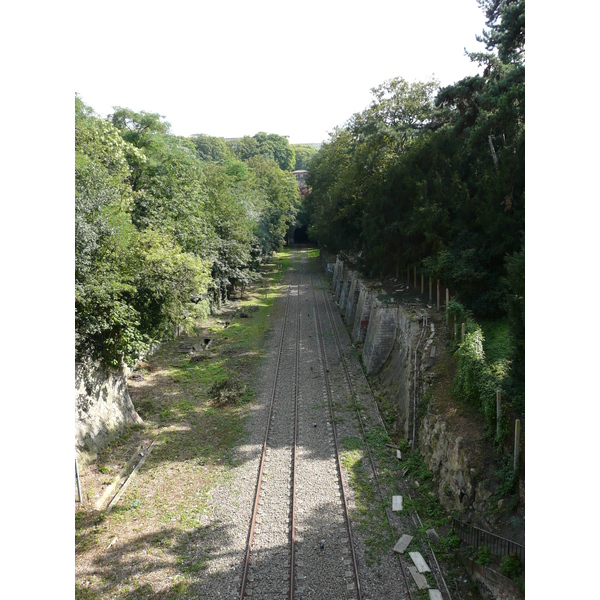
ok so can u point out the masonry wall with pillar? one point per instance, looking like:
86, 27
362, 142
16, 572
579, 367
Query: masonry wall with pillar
381, 332
352, 300
362, 312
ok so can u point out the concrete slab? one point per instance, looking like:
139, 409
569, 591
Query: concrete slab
419, 562
435, 595
402, 543
419, 579
398, 455
433, 351
396, 503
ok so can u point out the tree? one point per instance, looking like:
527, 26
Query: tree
304, 154
506, 33
209, 148
267, 145
133, 279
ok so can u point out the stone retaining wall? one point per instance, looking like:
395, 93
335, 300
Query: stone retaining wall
103, 408
391, 333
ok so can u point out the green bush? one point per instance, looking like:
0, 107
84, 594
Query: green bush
484, 556
475, 381
511, 566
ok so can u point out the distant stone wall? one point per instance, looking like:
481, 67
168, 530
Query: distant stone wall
103, 408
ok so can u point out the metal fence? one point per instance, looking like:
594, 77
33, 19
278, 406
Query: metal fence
494, 543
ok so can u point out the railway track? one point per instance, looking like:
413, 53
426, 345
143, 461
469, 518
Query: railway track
357, 387
300, 540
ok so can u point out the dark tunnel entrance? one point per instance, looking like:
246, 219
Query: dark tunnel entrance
300, 235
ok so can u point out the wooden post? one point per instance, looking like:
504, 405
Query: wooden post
447, 304
438, 294
422, 283
430, 290
498, 400
454, 337
463, 328
517, 444
77, 479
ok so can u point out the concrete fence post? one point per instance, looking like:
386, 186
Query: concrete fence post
430, 290
463, 328
438, 294
447, 304
498, 400
422, 283
407, 276
415, 277
517, 444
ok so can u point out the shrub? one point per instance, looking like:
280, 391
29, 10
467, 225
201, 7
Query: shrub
227, 391
511, 566
475, 380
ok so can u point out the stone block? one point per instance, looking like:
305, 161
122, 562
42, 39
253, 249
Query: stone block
396, 503
419, 579
403, 543
435, 595
419, 561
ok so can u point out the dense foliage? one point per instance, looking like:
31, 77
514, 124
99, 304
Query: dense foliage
304, 155
166, 226
435, 178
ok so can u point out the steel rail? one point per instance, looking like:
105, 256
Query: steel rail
296, 393
335, 440
360, 421
264, 450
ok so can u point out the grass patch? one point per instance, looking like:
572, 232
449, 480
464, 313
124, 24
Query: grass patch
371, 518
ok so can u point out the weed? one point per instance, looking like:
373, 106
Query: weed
227, 391
85, 593
510, 565
506, 476
483, 556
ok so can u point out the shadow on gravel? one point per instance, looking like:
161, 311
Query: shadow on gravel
182, 559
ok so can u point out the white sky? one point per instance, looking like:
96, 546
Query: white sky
235, 68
